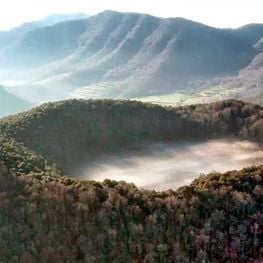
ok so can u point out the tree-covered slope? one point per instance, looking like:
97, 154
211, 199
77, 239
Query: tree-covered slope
71, 132
48, 217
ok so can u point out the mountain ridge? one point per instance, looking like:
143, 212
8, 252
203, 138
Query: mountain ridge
70, 133
11, 104
124, 55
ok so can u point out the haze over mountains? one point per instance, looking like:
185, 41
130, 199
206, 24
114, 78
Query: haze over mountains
27, 41
128, 55
11, 104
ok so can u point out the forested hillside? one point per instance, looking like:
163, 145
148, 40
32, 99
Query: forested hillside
71, 132
48, 217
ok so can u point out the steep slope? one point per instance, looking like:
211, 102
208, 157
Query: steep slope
127, 55
146, 55
45, 216
249, 82
10, 104
247, 85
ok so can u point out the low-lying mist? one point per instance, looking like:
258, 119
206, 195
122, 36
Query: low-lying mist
169, 166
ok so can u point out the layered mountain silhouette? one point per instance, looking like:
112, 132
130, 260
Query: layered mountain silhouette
11, 104
37, 44
9, 38
127, 55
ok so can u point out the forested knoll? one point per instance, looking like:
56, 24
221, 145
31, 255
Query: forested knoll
73, 131
48, 217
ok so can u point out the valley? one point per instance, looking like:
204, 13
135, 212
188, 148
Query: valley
128, 137
170, 166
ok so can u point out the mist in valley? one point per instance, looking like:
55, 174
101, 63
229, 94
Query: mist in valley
168, 166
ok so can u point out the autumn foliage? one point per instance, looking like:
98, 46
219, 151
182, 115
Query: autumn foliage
48, 217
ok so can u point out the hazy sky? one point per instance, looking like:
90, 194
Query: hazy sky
218, 13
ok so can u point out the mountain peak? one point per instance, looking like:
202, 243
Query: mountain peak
127, 55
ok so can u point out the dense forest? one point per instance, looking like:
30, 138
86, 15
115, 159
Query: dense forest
49, 217
70, 132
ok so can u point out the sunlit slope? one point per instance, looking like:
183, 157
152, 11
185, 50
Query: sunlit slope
129, 55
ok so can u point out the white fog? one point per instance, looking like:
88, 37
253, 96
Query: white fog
169, 166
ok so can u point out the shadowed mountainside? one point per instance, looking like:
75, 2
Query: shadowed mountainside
249, 82
72, 132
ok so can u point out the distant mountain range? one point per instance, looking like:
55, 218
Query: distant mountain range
10, 104
127, 55
24, 45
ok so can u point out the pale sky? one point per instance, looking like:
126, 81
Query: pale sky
218, 13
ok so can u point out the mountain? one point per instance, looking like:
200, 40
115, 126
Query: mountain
246, 85
10, 104
46, 216
128, 55
55, 19
249, 82
42, 45
9, 36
